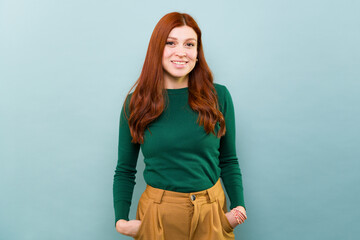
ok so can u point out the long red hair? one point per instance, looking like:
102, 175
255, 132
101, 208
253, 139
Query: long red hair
147, 101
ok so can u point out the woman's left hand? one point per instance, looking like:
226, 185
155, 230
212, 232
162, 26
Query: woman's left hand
232, 220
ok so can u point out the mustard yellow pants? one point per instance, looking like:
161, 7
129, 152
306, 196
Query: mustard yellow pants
168, 215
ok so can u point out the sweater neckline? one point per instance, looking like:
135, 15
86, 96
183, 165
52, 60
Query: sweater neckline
177, 90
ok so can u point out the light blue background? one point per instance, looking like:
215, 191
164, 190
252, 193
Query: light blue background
292, 68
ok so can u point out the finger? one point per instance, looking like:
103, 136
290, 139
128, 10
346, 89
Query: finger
244, 214
242, 210
242, 218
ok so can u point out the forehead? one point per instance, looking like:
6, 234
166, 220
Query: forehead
183, 33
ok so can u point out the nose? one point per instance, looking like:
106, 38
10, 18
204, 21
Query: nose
181, 54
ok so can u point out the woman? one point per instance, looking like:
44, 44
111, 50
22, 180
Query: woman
184, 124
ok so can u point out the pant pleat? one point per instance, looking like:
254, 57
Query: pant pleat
169, 215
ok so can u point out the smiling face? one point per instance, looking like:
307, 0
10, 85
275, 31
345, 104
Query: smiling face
179, 56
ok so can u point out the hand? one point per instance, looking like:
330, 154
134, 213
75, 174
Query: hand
128, 228
232, 220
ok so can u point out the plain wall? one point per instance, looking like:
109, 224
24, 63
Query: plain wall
292, 68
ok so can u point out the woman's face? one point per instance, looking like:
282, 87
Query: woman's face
180, 53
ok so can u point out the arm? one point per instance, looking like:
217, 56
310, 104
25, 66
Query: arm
124, 178
230, 170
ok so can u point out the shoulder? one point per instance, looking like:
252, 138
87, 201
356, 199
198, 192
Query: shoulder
219, 88
224, 97
127, 99
126, 103
222, 92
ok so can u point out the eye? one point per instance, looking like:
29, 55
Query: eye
190, 44
169, 43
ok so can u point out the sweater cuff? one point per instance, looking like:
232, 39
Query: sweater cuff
122, 210
237, 199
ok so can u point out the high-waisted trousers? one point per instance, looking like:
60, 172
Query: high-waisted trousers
169, 215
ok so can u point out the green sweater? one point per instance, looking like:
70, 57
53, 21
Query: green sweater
178, 154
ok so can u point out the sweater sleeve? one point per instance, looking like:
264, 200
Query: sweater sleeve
124, 177
230, 170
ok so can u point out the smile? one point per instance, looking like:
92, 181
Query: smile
179, 63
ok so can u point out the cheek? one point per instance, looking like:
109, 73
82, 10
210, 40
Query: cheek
192, 54
167, 53
165, 57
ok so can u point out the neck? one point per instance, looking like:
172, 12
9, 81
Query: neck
174, 83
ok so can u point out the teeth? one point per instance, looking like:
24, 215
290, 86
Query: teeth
180, 63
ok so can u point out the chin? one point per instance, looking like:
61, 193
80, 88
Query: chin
178, 75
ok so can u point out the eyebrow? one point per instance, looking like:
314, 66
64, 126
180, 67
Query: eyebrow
185, 39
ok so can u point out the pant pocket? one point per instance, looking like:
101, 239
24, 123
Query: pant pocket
224, 220
143, 208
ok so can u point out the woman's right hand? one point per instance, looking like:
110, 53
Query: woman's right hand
128, 228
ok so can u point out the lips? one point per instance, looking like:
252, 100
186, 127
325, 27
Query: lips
179, 62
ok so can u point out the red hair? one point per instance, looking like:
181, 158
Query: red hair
147, 101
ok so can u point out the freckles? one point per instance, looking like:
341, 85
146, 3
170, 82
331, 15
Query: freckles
193, 55
167, 53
